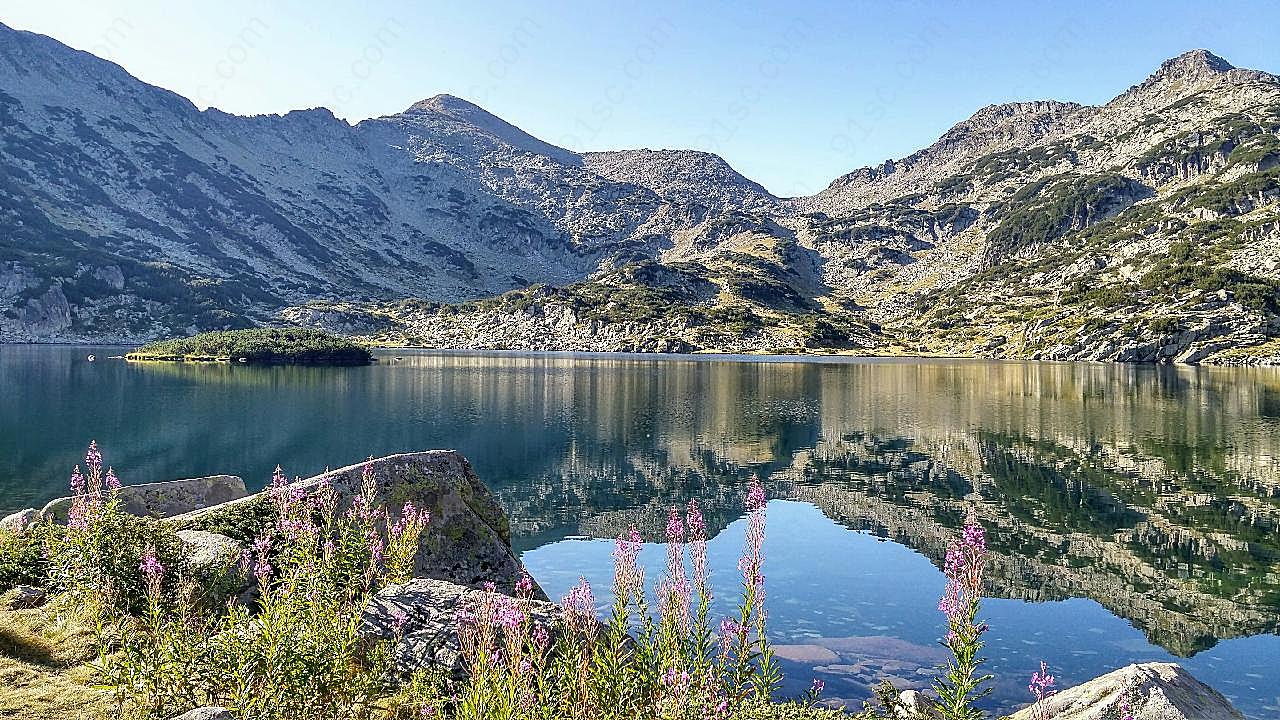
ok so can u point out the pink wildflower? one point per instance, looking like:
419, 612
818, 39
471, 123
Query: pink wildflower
698, 546
398, 620
580, 601
751, 563
1041, 687
507, 613
628, 577
93, 459
151, 568
755, 495
524, 586
540, 637
262, 565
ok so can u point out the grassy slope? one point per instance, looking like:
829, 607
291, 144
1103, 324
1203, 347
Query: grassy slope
43, 668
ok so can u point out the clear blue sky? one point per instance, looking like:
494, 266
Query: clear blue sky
792, 94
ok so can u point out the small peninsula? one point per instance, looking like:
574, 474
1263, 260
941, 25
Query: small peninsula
258, 346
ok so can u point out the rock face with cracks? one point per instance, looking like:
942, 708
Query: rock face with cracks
165, 499
420, 616
468, 540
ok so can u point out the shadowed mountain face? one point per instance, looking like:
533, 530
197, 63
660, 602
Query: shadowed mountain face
1144, 229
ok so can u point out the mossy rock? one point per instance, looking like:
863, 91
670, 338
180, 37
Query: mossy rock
468, 540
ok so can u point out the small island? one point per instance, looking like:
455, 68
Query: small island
258, 346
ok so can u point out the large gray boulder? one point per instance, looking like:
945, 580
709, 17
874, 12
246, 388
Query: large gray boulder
213, 560
1154, 691
468, 540
19, 520
165, 499
420, 617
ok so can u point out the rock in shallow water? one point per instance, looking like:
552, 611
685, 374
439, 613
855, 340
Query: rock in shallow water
1154, 691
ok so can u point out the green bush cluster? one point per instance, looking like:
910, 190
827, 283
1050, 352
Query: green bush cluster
1187, 268
304, 346
1050, 208
1229, 198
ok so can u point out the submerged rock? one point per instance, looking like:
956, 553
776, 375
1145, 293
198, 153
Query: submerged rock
420, 617
1154, 691
165, 499
468, 540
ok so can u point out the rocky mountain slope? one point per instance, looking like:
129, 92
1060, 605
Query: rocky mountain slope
1144, 229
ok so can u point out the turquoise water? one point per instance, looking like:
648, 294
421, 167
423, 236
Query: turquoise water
1131, 510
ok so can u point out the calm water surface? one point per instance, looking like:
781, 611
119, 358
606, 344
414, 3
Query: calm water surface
1132, 510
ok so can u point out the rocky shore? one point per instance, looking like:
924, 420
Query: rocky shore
470, 546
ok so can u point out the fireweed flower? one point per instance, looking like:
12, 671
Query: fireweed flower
93, 459
698, 546
507, 613
963, 566
628, 577
262, 565
152, 570
579, 607
752, 561
78, 515
540, 638
524, 586
398, 620
674, 592
1041, 686
731, 632
1042, 683
755, 495
110, 480
278, 480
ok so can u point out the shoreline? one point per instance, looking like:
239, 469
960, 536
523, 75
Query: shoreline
699, 355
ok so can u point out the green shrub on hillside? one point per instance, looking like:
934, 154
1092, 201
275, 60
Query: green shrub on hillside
1052, 207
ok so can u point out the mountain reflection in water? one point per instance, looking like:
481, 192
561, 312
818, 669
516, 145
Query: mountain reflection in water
1154, 491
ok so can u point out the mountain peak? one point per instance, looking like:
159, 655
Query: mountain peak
1195, 64
1188, 69
455, 110
447, 104
1186, 74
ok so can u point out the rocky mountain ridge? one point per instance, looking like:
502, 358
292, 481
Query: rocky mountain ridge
1141, 230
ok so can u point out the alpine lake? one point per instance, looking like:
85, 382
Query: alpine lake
1133, 512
